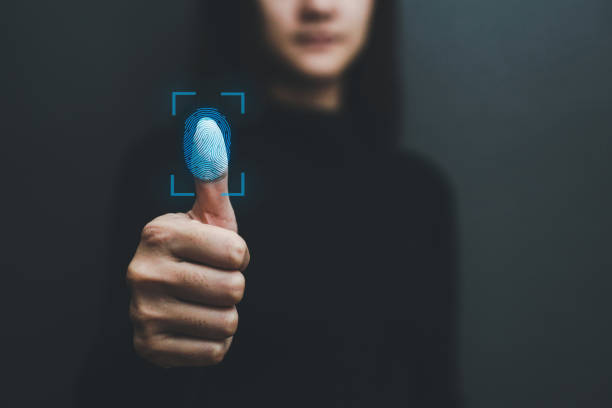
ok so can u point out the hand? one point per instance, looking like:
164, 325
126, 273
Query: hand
186, 278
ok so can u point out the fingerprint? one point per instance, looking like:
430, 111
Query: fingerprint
206, 144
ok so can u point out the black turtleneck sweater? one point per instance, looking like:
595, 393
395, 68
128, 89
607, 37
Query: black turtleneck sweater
350, 290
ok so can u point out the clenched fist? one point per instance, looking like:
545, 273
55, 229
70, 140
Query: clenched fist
185, 279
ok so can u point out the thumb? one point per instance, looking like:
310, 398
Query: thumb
213, 207
207, 159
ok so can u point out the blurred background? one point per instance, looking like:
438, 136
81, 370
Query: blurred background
512, 98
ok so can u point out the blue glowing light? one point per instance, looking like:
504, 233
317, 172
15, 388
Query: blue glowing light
206, 144
179, 93
240, 94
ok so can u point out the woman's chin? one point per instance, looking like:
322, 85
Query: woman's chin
319, 68
319, 73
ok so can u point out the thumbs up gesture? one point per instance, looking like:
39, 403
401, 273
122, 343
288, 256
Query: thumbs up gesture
186, 279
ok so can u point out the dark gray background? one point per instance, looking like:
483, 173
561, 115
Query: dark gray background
511, 97
514, 99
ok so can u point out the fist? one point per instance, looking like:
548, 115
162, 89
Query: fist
185, 280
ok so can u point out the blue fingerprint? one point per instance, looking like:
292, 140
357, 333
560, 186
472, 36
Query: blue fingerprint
206, 144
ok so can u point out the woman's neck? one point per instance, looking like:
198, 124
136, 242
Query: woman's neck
323, 96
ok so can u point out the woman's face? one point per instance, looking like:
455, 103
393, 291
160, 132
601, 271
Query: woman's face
317, 39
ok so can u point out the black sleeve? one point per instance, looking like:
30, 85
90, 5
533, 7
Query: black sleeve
419, 345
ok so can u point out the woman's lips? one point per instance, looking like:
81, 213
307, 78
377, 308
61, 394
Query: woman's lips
316, 40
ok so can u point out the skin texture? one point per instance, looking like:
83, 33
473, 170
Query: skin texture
185, 279
186, 275
315, 41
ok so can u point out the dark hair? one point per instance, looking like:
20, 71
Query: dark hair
232, 49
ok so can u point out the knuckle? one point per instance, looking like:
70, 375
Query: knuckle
145, 347
230, 323
136, 315
236, 252
156, 234
235, 285
155, 353
216, 353
143, 314
152, 349
135, 274
148, 273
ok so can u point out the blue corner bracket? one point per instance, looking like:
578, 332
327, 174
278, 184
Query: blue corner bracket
175, 194
241, 193
240, 94
179, 93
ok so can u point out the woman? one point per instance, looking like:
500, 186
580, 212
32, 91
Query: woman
350, 291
